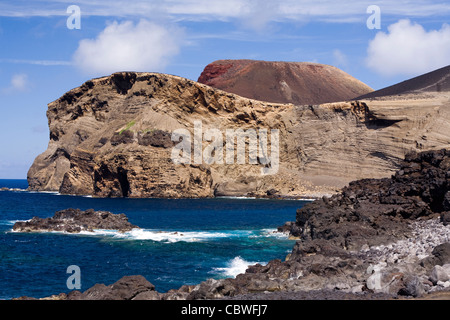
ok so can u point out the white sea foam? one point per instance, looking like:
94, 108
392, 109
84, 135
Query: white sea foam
235, 197
15, 190
173, 236
161, 236
234, 267
41, 191
9, 222
272, 233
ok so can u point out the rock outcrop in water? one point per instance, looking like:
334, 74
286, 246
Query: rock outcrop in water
75, 221
111, 137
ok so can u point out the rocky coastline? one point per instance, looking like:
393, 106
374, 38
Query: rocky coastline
377, 239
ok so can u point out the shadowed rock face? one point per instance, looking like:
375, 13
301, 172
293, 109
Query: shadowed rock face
111, 137
434, 81
126, 288
283, 82
373, 211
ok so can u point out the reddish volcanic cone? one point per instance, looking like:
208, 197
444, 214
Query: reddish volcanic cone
283, 82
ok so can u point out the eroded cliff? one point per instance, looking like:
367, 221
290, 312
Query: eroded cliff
112, 137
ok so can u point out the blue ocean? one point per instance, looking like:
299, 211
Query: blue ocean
180, 241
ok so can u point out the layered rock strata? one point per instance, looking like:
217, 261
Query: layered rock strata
112, 137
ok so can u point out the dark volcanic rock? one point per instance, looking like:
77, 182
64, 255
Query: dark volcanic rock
126, 288
125, 137
445, 218
434, 81
156, 138
375, 211
440, 256
75, 220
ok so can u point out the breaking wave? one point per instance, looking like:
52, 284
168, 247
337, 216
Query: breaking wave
186, 236
171, 236
234, 267
168, 236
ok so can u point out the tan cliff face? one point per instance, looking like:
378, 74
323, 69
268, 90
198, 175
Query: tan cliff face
111, 137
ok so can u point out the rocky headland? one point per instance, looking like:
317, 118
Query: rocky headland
376, 239
75, 221
112, 137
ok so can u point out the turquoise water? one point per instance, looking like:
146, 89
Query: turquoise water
181, 241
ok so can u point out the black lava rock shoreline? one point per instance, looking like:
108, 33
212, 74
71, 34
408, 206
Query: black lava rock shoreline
376, 239
75, 221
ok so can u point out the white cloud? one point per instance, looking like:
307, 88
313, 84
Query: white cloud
38, 62
256, 14
19, 82
408, 49
325, 10
340, 59
146, 46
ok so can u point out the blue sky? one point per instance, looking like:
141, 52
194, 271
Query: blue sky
41, 58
